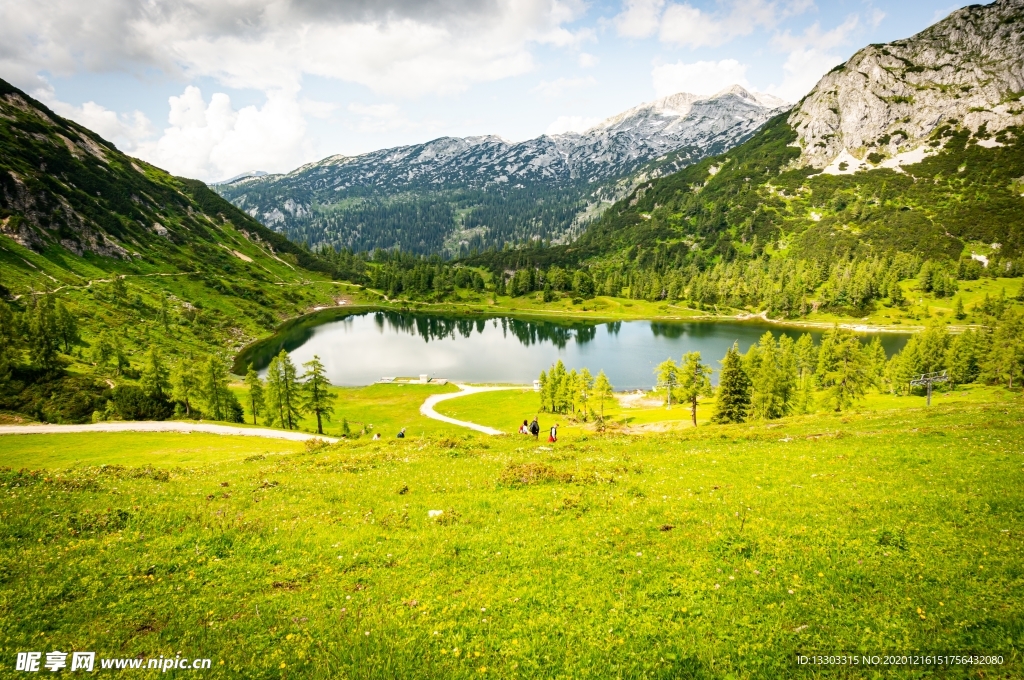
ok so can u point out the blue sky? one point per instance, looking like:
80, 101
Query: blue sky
213, 88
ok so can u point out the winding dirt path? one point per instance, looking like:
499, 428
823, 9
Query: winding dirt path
164, 426
427, 408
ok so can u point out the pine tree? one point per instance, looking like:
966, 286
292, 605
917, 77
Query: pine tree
544, 387
733, 390
185, 383
283, 392
318, 399
8, 348
67, 327
768, 398
1005, 360
155, 376
255, 385
848, 375
694, 382
668, 377
118, 290
958, 309
877, 357
43, 337
602, 391
586, 391
963, 358
213, 385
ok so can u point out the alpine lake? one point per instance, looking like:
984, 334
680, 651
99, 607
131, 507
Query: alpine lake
360, 347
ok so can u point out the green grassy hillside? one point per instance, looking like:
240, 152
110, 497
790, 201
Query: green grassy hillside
136, 257
720, 552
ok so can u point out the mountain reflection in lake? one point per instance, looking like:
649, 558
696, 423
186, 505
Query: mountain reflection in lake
361, 348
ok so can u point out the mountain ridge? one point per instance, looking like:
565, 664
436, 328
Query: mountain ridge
460, 177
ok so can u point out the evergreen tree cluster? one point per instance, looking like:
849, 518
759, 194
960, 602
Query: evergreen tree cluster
285, 396
569, 392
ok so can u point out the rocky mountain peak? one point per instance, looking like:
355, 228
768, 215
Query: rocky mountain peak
885, 103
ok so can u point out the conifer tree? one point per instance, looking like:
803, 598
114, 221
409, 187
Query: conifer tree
1005, 360
42, 334
602, 390
185, 383
544, 387
67, 327
667, 373
255, 385
733, 390
963, 358
586, 390
694, 382
848, 375
155, 376
768, 398
8, 348
213, 385
283, 391
318, 399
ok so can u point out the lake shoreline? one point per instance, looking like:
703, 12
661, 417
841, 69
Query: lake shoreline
328, 314
434, 321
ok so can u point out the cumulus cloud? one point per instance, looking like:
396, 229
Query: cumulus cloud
213, 140
586, 60
564, 124
810, 56
702, 77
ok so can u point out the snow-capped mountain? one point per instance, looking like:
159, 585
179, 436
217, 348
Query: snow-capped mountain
465, 181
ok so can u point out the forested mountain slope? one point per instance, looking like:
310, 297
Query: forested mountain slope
453, 195
938, 190
103, 257
808, 215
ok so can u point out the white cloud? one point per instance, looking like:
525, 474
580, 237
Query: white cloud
587, 60
689, 26
558, 87
400, 47
126, 130
639, 18
877, 17
702, 77
811, 55
213, 140
564, 124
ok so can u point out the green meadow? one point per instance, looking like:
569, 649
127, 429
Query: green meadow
720, 551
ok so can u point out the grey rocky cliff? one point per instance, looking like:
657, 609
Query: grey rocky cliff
966, 70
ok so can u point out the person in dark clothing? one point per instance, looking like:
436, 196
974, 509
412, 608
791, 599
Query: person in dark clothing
535, 428
401, 433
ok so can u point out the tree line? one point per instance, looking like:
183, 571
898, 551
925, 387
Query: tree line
781, 376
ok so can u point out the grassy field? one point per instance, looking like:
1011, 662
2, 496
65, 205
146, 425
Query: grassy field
383, 409
162, 449
717, 552
506, 410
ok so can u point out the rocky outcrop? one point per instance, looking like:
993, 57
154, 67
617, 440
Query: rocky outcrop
965, 71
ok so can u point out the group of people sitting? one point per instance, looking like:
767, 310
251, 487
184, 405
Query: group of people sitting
534, 429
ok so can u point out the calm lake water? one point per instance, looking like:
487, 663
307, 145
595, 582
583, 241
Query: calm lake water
360, 349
